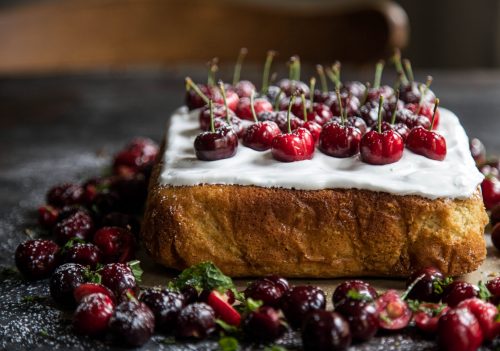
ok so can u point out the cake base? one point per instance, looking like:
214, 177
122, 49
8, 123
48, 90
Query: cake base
253, 231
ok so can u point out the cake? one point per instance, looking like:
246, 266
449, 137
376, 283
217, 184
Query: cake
321, 218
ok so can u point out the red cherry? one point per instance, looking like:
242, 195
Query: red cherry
244, 110
137, 156
399, 128
459, 330
339, 141
86, 289
485, 314
259, 136
350, 105
47, 216
491, 192
93, 314
314, 128
426, 110
115, 244
223, 308
293, 146
427, 317
280, 118
381, 148
219, 112
394, 313
356, 122
244, 88
427, 143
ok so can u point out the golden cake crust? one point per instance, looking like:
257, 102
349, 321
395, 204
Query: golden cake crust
254, 231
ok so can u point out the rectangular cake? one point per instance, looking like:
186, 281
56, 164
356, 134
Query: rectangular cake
325, 217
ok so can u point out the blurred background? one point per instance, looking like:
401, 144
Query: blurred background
68, 35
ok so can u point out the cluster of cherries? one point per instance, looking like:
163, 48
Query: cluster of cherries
291, 118
94, 228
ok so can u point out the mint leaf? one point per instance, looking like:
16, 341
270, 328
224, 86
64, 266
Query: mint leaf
439, 285
91, 276
228, 328
274, 348
32, 298
484, 293
137, 271
71, 242
356, 295
229, 343
203, 276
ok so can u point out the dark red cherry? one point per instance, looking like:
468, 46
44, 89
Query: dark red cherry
165, 305
491, 192
356, 122
486, 314
393, 312
339, 141
65, 195
64, 281
115, 244
325, 331
293, 146
279, 117
427, 143
138, 155
427, 285
297, 302
381, 148
314, 128
290, 86
195, 321
354, 88
122, 220
385, 91
244, 88
399, 128
478, 151
47, 216
216, 145
411, 93
85, 254
259, 136
297, 106
425, 110
118, 277
244, 110
86, 289
369, 113
458, 291
193, 98
280, 282
219, 112
190, 294
265, 291
93, 314
37, 258
350, 105
132, 323
353, 290
320, 114
362, 317
79, 225
263, 325
459, 330
493, 286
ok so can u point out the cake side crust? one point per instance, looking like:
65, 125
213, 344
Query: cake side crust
254, 231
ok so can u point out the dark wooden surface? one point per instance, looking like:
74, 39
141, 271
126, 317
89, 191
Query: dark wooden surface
63, 128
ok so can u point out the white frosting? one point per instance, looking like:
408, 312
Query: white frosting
455, 177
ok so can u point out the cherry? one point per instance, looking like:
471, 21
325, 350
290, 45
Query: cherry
195, 321
478, 151
47, 216
244, 109
349, 104
354, 88
77, 225
37, 258
279, 282
297, 302
369, 113
87, 289
293, 85
165, 305
137, 156
85, 254
427, 316
320, 96
118, 277
259, 135
293, 146
280, 118
122, 220
116, 244
243, 88
132, 323
491, 192
220, 114
263, 325
223, 309
362, 317
197, 95
65, 195
495, 236
394, 313
325, 331
266, 291
459, 330
485, 314
376, 91
379, 148
97, 185
190, 294
353, 290
313, 127
216, 144
493, 287
426, 284
64, 281
400, 128
356, 122
459, 291
93, 314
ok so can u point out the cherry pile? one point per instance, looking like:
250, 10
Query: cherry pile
291, 117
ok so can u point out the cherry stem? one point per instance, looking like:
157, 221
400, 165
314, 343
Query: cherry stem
312, 85
267, 70
252, 107
436, 105
303, 97
212, 124
336, 70
333, 77
408, 69
291, 69
423, 92
396, 58
297, 68
191, 85
322, 78
379, 68
292, 99
211, 71
393, 118
365, 95
226, 108
239, 63
379, 117
341, 109
277, 101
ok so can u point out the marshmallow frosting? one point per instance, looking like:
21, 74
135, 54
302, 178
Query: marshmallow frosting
455, 177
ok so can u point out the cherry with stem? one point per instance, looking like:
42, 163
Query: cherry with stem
322, 78
223, 92
212, 69
267, 69
190, 85
237, 67
423, 93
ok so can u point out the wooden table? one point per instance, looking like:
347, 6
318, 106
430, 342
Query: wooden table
64, 128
